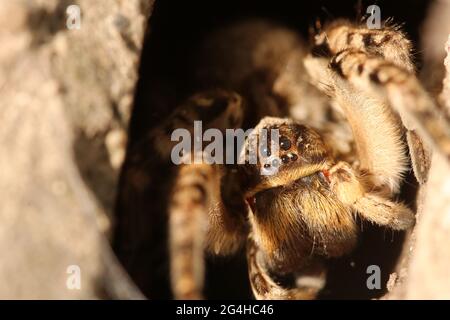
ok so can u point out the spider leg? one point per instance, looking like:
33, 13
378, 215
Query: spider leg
376, 129
198, 220
203, 216
403, 92
188, 209
420, 155
264, 287
384, 212
388, 42
385, 64
372, 205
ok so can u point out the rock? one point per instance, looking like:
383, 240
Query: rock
424, 265
65, 106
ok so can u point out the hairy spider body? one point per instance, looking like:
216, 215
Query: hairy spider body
342, 111
306, 212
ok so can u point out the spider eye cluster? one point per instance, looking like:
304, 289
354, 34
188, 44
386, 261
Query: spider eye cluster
265, 150
277, 146
286, 158
284, 146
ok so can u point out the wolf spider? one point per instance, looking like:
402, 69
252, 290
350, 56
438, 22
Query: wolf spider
343, 109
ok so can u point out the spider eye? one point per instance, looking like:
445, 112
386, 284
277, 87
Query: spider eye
285, 158
285, 143
289, 157
275, 163
265, 151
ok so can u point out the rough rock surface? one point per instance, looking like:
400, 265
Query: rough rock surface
64, 109
422, 272
428, 271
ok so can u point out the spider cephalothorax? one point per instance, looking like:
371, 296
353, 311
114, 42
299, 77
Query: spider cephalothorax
299, 151
293, 209
341, 153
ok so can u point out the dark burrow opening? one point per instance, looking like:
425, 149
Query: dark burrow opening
175, 29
